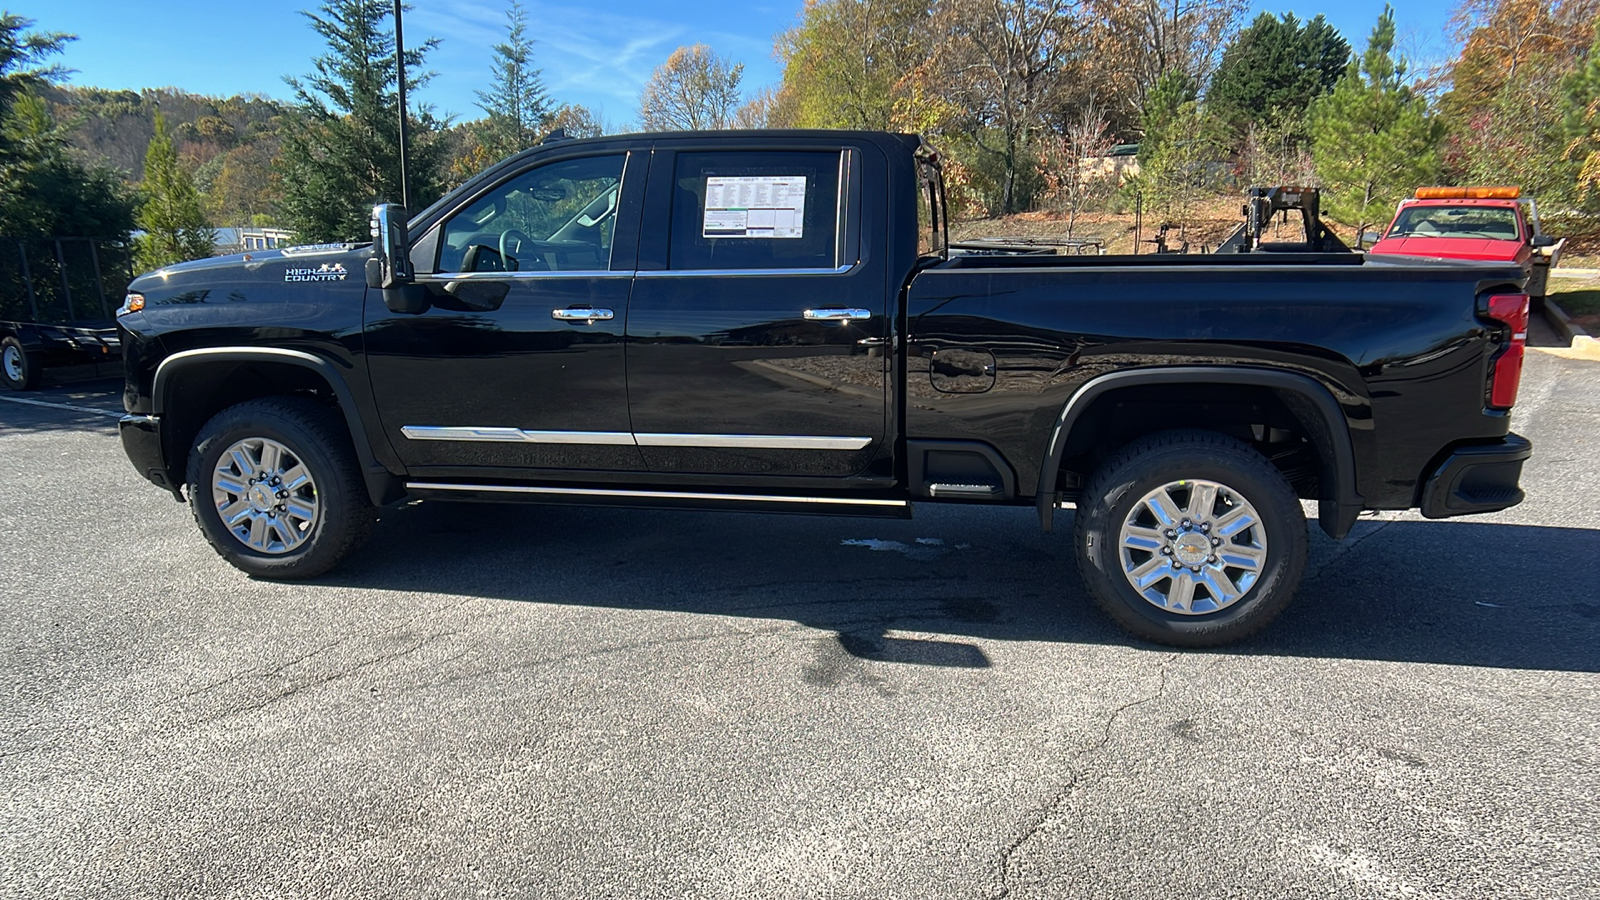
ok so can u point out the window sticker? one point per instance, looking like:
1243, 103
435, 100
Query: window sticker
755, 206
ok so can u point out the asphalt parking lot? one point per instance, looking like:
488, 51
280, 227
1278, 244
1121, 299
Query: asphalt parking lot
544, 702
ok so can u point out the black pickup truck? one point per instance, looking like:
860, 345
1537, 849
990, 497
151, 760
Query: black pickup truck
773, 321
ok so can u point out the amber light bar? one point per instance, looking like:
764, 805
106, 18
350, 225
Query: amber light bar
1468, 193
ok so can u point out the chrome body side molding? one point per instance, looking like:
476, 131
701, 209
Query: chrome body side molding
512, 435
730, 441
754, 441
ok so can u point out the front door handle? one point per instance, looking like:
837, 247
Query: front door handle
581, 314
838, 314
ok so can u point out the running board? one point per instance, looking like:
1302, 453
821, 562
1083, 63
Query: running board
590, 496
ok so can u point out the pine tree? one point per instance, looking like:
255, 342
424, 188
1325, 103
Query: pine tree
1272, 72
175, 228
518, 107
341, 151
1373, 139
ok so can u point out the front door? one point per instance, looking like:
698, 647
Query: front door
757, 333
518, 364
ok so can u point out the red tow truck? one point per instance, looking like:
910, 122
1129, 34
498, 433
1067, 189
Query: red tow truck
1480, 223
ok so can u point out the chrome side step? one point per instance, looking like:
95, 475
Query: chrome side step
591, 496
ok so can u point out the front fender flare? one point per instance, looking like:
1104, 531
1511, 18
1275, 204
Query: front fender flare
381, 483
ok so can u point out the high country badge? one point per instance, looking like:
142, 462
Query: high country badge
324, 272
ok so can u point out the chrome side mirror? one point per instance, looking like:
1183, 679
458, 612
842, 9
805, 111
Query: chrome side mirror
390, 265
389, 268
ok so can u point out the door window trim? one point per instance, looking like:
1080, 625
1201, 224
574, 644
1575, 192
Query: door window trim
447, 277
742, 273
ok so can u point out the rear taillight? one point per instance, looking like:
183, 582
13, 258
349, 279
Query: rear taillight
1512, 309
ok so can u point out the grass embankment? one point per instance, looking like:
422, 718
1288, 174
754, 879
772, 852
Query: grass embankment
1578, 297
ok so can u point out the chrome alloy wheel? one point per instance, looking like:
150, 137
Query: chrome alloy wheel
264, 495
11, 360
1193, 547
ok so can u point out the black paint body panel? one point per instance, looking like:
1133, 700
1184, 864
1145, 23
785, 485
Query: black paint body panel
1399, 347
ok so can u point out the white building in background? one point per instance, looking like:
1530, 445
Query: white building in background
246, 240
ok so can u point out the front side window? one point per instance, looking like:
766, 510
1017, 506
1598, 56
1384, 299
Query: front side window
557, 217
755, 210
1494, 222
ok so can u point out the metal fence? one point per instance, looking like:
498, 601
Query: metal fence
63, 280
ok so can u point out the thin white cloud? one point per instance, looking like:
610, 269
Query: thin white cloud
597, 58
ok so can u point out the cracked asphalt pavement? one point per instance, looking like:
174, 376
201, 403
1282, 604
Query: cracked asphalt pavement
545, 702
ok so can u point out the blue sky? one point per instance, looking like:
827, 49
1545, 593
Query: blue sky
598, 58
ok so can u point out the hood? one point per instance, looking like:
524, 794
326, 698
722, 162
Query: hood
1450, 248
311, 263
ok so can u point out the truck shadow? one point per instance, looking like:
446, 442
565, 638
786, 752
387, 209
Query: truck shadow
921, 592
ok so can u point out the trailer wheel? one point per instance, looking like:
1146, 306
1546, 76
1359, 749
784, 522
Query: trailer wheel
18, 370
275, 489
1190, 538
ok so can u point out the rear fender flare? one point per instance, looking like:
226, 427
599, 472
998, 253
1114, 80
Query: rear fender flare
1336, 514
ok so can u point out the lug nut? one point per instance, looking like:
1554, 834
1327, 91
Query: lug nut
1176, 564
1170, 533
1211, 559
1216, 542
1166, 551
1195, 569
1186, 524
1205, 527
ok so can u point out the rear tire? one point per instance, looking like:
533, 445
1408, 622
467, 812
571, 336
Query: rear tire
18, 370
309, 511
1190, 538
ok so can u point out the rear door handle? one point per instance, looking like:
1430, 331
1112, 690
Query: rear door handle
838, 314
581, 314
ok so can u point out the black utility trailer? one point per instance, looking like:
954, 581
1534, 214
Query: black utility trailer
58, 301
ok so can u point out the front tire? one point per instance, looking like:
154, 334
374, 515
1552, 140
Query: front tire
1190, 538
275, 489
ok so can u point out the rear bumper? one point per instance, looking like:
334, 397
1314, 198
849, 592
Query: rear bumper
141, 440
1477, 478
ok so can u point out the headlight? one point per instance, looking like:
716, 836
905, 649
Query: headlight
131, 304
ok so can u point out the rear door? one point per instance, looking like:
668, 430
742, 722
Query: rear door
758, 322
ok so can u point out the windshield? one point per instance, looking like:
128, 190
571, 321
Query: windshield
1493, 222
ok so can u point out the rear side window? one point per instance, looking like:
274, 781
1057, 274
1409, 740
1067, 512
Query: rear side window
755, 210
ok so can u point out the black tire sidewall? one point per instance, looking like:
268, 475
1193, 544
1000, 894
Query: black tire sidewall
1253, 479
327, 541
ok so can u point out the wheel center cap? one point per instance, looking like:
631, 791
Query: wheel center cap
1191, 549
261, 499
